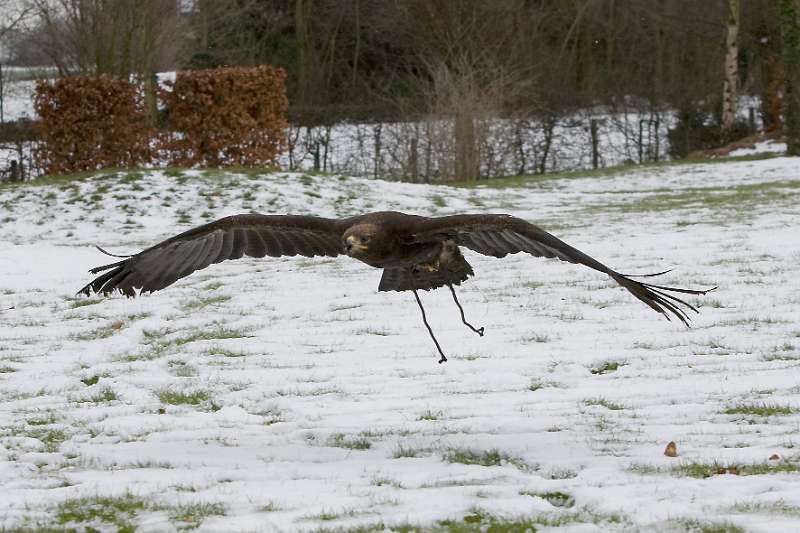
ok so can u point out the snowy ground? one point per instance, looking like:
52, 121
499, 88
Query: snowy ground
287, 394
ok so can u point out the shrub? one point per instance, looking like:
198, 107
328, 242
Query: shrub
90, 122
226, 117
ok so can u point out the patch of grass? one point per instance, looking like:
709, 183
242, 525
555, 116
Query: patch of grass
537, 384
759, 409
182, 398
119, 512
331, 515
383, 332
491, 457
271, 415
7, 369
75, 303
555, 498
182, 370
607, 367
50, 438
544, 179
561, 473
539, 338
192, 514
91, 380
269, 507
604, 403
339, 440
703, 470
430, 415
225, 352
753, 321
693, 525
103, 332
768, 508
47, 419
202, 303
711, 303
380, 481
105, 395
220, 332
738, 199
407, 451
438, 200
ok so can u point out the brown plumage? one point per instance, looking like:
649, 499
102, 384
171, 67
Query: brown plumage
415, 252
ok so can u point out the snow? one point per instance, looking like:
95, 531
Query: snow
763, 147
296, 365
18, 100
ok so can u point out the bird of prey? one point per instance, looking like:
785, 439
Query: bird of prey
415, 252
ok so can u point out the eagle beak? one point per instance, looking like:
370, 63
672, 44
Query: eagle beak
352, 244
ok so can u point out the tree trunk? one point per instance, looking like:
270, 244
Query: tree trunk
731, 84
301, 45
466, 163
790, 34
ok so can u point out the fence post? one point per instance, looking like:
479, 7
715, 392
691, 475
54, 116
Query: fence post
14, 171
595, 154
378, 145
641, 140
657, 154
751, 119
413, 159
2, 95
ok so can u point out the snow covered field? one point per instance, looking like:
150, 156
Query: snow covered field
287, 394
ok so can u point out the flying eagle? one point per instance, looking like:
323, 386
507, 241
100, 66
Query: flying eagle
415, 252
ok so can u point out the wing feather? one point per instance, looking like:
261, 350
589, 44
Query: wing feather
226, 250
227, 238
287, 246
239, 243
500, 235
256, 247
314, 245
211, 250
303, 246
273, 246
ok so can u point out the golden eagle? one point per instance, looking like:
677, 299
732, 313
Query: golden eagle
415, 252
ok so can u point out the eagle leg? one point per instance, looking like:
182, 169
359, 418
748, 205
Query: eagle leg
479, 330
430, 331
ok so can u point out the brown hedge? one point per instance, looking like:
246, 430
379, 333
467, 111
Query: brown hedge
226, 116
87, 123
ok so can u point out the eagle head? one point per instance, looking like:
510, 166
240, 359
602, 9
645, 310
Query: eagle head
358, 239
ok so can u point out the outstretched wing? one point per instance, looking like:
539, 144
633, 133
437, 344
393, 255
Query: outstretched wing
500, 235
227, 238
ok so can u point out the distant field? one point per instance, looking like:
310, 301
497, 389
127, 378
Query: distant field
287, 394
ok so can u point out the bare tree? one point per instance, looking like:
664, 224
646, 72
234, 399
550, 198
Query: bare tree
119, 38
731, 84
12, 15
